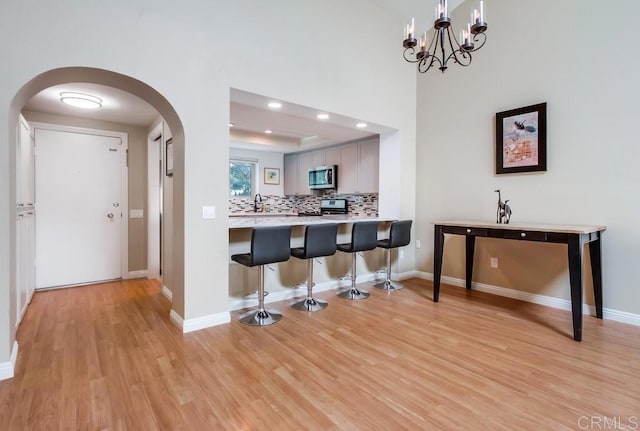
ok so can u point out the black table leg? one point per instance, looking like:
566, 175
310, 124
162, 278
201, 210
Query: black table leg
438, 245
471, 245
575, 280
596, 272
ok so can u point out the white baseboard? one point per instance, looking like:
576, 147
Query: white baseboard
135, 274
167, 293
7, 368
549, 301
198, 323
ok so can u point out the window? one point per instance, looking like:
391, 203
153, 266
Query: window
242, 178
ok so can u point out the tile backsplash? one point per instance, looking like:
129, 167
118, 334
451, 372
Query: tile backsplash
359, 204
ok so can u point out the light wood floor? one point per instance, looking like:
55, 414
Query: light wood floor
107, 357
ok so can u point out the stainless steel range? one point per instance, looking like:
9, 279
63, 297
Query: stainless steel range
334, 206
327, 207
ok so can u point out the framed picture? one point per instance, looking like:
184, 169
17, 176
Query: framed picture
271, 176
521, 140
169, 161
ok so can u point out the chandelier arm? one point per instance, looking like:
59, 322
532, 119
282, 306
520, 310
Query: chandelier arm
459, 55
436, 42
477, 38
412, 52
427, 62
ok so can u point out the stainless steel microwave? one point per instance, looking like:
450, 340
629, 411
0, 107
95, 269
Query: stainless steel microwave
323, 177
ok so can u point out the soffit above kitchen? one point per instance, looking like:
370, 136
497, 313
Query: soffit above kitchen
293, 127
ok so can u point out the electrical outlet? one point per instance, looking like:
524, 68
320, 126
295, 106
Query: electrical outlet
418, 244
494, 262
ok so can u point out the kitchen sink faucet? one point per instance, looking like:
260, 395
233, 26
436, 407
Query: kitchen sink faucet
258, 206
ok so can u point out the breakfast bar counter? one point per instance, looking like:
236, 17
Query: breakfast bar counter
248, 221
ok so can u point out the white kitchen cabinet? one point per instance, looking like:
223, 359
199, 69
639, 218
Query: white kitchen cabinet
358, 166
319, 158
332, 156
348, 169
368, 166
296, 173
290, 174
305, 162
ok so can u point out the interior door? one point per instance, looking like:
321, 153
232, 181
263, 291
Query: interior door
78, 205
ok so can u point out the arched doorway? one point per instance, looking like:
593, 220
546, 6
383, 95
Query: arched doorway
127, 84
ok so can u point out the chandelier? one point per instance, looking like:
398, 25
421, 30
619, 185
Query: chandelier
433, 51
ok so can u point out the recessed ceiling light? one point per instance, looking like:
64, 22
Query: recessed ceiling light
80, 100
361, 125
232, 124
268, 131
275, 105
322, 116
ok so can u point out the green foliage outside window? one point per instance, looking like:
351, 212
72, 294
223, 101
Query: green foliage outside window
241, 178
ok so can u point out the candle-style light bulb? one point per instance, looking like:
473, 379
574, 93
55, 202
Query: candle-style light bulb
410, 36
482, 12
423, 41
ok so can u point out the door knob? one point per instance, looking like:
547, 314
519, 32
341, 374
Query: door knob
110, 215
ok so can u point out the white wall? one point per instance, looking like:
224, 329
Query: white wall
319, 53
265, 159
564, 53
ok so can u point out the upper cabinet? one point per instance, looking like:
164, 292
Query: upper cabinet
368, 161
357, 167
290, 174
296, 173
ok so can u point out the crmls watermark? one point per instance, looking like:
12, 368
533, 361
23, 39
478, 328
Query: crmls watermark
597, 422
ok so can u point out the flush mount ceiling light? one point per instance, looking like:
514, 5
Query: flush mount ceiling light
361, 125
80, 100
232, 124
275, 105
268, 132
322, 116
432, 50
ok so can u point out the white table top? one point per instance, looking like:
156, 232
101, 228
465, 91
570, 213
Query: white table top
248, 222
558, 228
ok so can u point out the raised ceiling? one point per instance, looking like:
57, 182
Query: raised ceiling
295, 127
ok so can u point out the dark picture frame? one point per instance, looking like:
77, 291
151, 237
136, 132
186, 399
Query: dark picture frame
521, 140
169, 157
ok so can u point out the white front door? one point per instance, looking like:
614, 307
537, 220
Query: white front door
79, 206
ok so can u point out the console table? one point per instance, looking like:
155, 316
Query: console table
575, 236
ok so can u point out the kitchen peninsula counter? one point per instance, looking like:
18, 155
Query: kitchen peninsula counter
279, 220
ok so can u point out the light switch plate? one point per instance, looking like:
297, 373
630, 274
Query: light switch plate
208, 212
136, 213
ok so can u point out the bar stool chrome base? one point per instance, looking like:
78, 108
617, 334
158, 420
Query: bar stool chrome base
260, 317
353, 293
309, 304
389, 285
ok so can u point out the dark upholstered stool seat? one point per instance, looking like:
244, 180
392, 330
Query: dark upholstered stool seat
364, 236
399, 236
319, 240
268, 245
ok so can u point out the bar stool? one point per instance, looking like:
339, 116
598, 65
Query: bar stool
269, 244
399, 236
364, 236
319, 240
